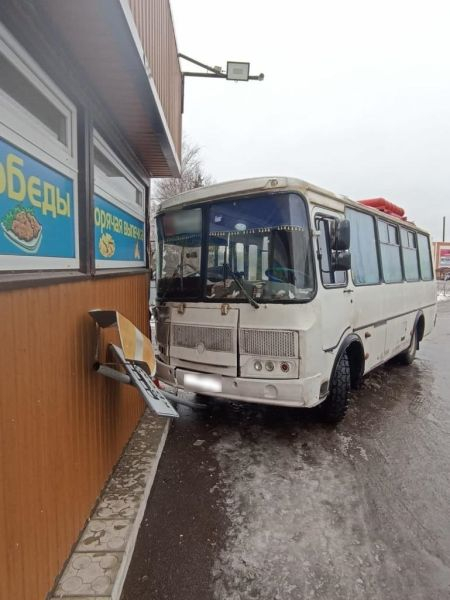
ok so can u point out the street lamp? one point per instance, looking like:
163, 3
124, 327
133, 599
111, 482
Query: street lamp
236, 71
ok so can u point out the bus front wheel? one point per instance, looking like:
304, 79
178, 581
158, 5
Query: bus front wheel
334, 407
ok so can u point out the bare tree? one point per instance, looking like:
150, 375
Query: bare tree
192, 174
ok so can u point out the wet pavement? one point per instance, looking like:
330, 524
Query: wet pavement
263, 503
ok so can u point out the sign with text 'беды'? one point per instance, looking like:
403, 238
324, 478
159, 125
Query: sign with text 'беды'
37, 221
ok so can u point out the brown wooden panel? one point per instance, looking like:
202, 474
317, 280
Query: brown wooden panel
62, 427
155, 26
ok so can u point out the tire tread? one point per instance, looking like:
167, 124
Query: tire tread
334, 407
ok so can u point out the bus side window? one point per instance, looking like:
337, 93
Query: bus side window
426, 271
363, 248
326, 227
409, 251
390, 252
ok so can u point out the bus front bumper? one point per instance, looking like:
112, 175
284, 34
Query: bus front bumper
281, 392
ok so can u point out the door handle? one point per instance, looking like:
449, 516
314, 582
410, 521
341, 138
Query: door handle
348, 291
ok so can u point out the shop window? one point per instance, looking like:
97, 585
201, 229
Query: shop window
119, 183
38, 166
19, 89
119, 211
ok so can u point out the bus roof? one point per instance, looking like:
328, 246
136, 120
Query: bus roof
245, 187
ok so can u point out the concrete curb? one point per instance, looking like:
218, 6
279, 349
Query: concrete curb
97, 567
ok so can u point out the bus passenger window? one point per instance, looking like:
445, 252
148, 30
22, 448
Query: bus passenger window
424, 257
390, 252
409, 251
327, 226
363, 248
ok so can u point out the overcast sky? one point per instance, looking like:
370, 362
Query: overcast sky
356, 96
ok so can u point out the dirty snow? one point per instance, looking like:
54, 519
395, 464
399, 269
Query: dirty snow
297, 524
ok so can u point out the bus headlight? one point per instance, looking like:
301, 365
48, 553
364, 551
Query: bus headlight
258, 365
269, 365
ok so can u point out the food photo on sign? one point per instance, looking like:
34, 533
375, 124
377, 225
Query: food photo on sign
21, 227
36, 208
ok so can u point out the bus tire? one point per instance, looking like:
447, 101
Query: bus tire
407, 356
334, 407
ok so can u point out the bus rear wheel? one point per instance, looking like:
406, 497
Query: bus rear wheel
334, 407
407, 356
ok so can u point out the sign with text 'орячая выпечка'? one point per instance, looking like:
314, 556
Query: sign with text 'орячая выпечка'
119, 236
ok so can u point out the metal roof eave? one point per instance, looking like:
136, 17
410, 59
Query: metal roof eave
103, 38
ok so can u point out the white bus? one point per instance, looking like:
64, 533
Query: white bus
275, 291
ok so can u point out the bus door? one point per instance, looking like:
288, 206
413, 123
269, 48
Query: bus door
336, 291
369, 297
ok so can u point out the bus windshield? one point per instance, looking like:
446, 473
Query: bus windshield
251, 247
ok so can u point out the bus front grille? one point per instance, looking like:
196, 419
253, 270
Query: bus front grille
268, 342
219, 339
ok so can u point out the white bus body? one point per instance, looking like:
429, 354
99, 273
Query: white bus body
300, 333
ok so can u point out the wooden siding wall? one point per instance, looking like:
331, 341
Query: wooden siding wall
62, 426
153, 20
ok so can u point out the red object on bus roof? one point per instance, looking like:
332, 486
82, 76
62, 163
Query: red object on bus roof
385, 206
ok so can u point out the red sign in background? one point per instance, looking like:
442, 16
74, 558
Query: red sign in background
444, 257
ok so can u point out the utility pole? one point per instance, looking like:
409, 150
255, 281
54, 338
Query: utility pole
443, 229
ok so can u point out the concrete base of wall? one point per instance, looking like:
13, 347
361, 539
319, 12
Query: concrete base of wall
98, 565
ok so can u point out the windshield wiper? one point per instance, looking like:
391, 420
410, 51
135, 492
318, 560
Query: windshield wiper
226, 270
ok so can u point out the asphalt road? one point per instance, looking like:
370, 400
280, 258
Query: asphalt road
264, 503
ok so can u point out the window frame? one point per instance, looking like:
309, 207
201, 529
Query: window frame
416, 248
26, 125
108, 193
427, 238
23, 130
320, 216
377, 246
388, 243
101, 182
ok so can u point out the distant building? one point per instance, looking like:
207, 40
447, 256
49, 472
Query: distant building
90, 110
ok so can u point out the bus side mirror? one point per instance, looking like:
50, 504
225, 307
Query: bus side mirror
342, 261
342, 239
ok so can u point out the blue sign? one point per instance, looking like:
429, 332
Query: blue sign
36, 207
118, 235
